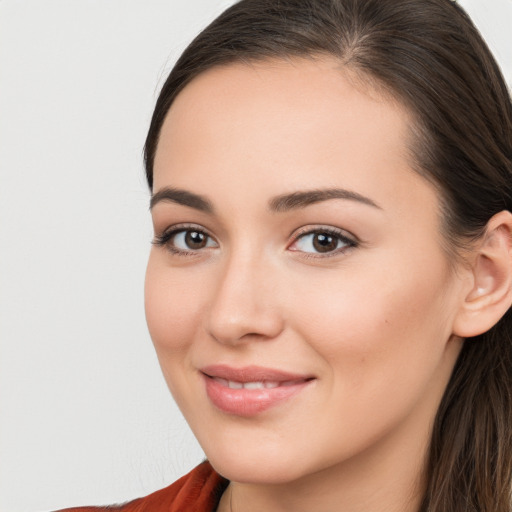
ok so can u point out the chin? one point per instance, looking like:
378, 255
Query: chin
244, 466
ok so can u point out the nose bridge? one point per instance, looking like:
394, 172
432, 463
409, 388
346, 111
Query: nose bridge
243, 305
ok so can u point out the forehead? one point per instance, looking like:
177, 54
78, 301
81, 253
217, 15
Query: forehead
306, 90
286, 125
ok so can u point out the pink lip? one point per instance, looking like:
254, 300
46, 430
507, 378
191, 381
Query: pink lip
249, 402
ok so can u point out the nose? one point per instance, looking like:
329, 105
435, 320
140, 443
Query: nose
244, 303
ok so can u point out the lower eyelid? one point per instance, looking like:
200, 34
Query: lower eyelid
337, 253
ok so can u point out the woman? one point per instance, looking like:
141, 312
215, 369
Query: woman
330, 285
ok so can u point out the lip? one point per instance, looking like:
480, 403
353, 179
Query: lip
250, 402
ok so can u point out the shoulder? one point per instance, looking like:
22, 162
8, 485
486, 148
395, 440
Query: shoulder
198, 491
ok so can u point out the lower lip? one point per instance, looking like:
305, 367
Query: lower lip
249, 402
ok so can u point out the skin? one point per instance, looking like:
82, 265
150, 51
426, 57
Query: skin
373, 323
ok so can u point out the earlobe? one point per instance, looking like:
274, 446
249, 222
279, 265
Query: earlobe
491, 294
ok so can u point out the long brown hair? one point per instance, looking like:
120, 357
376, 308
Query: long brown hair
428, 55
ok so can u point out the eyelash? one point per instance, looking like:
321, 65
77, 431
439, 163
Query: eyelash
350, 243
164, 239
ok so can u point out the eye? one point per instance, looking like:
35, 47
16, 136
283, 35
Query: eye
322, 241
185, 241
192, 239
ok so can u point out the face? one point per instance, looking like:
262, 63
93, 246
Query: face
297, 292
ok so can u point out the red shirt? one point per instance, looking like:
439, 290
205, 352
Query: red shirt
198, 491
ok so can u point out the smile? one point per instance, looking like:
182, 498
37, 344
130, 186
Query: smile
249, 391
231, 384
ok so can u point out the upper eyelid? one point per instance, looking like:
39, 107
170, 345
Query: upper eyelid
304, 230
318, 228
176, 228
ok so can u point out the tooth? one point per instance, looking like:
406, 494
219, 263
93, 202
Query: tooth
253, 385
222, 382
235, 385
271, 385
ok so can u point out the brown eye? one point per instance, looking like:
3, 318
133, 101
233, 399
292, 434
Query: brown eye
324, 242
185, 240
195, 239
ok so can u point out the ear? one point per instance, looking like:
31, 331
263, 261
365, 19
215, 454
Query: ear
491, 267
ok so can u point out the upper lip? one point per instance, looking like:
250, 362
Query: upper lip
252, 374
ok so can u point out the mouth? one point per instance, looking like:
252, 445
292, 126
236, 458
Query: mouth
251, 390
261, 384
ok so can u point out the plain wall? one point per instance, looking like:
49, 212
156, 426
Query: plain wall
85, 416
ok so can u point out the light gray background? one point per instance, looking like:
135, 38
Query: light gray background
85, 415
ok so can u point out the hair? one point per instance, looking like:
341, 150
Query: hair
430, 57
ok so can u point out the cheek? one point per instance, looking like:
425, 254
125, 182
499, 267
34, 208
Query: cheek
173, 317
382, 340
372, 326
171, 305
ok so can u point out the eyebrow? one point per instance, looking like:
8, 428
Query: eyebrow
295, 200
183, 197
282, 203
